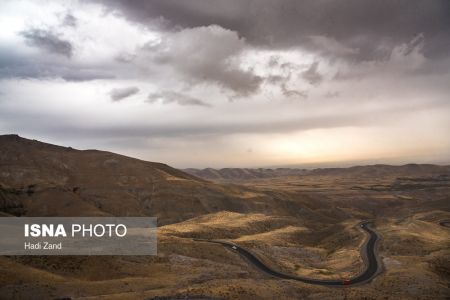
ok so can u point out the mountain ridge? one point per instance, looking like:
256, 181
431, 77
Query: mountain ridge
236, 174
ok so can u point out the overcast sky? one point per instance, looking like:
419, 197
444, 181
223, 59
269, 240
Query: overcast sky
231, 83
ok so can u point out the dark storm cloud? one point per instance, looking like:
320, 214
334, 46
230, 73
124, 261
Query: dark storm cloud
356, 29
290, 93
207, 54
125, 58
48, 41
15, 65
312, 75
122, 93
85, 75
167, 97
69, 20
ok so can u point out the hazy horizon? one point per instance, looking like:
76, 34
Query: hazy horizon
231, 83
340, 164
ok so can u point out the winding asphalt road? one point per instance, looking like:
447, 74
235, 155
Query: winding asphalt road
368, 253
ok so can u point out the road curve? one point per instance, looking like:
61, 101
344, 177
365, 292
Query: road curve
368, 252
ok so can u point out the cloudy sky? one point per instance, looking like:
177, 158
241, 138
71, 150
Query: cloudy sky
231, 83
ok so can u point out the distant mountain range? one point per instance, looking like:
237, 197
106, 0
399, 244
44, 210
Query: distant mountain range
243, 173
236, 174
